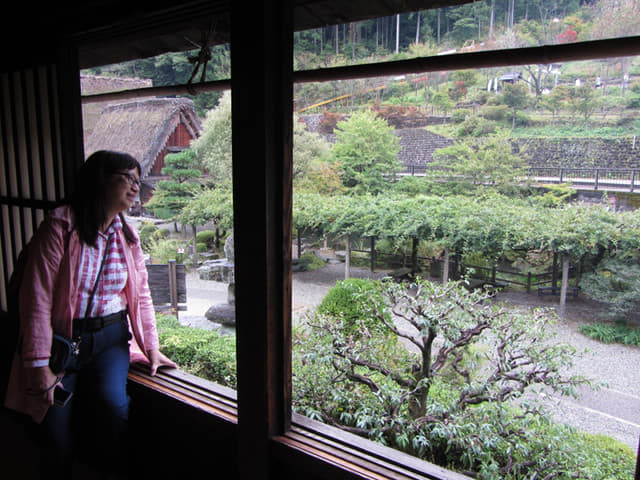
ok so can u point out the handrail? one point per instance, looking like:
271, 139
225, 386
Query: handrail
595, 177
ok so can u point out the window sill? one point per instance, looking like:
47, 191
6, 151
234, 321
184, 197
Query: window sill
328, 449
190, 390
354, 455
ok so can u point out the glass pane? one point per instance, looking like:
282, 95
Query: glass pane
472, 27
185, 210
466, 247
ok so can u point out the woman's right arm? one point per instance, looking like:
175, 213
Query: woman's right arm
36, 299
35, 306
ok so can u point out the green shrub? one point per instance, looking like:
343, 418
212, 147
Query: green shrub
522, 120
460, 115
201, 247
208, 237
162, 251
476, 127
204, 353
618, 332
149, 234
354, 300
309, 261
411, 185
496, 113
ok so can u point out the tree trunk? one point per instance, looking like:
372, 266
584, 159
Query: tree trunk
418, 400
373, 254
492, 18
418, 29
337, 38
347, 258
414, 255
353, 41
195, 247
438, 41
445, 266
397, 33
565, 282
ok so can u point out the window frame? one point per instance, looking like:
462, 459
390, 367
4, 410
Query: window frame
267, 431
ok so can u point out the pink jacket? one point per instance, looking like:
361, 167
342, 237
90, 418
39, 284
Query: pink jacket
47, 302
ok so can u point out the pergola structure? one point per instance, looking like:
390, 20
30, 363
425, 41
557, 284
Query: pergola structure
186, 427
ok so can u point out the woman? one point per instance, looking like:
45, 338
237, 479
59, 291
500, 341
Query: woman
85, 279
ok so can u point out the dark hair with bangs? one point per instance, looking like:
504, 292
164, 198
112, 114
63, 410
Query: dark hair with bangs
87, 200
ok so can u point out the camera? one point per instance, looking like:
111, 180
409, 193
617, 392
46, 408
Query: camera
61, 396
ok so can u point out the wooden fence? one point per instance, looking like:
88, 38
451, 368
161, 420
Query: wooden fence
168, 285
458, 269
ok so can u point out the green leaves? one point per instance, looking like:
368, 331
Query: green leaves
489, 225
210, 205
367, 151
455, 397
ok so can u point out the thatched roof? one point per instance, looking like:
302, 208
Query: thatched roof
142, 128
90, 84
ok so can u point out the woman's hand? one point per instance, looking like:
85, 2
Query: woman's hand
158, 359
41, 381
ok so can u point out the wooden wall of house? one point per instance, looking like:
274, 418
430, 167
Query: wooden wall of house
179, 138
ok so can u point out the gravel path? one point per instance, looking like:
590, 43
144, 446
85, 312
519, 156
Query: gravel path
614, 409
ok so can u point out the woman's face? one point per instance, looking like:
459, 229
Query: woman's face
122, 190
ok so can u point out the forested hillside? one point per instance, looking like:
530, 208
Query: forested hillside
475, 26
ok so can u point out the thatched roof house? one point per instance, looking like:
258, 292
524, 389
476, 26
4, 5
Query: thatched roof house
146, 129
92, 84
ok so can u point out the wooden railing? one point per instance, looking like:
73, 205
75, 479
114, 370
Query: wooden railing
620, 179
626, 179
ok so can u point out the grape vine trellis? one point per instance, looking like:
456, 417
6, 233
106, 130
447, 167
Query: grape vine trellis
489, 225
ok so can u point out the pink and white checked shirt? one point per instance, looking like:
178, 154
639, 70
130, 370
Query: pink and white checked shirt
109, 297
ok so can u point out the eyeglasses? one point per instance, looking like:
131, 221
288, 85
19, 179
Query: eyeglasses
132, 180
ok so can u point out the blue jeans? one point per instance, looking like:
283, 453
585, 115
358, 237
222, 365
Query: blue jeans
93, 425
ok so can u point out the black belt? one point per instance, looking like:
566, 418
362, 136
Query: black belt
93, 324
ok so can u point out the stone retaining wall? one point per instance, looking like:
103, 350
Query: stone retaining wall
623, 152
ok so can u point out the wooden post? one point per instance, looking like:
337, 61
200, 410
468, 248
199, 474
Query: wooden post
373, 253
347, 258
414, 255
195, 248
493, 274
299, 242
637, 475
445, 266
262, 55
173, 287
565, 281
528, 282
455, 274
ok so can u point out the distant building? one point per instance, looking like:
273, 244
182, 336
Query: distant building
94, 84
148, 130
513, 77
